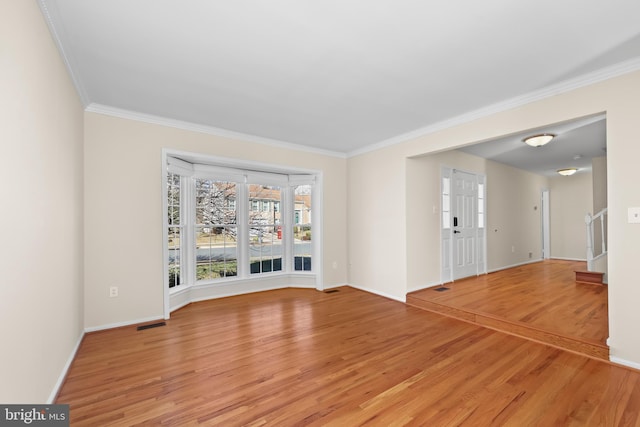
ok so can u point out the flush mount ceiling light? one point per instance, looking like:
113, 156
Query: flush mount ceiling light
567, 171
538, 140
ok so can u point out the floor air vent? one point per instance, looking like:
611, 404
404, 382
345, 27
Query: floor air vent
441, 289
152, 325
331, 291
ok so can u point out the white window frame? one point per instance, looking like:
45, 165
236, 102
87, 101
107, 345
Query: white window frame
244, 173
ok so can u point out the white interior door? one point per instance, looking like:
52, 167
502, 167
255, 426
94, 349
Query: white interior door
464, 224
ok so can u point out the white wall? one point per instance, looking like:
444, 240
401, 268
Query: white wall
41, 175
571, 198
123, 210
378, 260
514, 216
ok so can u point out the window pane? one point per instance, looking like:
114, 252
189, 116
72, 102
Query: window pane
216, 252
173, 261
302, 229
215, 202
216, 230
265, 231
173, 199
174, 231
263, 199
265, 250
446, 220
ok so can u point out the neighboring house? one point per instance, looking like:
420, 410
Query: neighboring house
302, 214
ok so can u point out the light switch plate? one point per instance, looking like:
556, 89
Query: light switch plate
633, 215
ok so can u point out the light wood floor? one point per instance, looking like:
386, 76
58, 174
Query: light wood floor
540, 300
303, 357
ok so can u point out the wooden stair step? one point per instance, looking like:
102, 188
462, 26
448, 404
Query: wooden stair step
592, 277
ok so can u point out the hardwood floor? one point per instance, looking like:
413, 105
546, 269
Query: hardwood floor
541, 301
303, 357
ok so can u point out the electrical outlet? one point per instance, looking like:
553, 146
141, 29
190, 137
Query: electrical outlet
113, 291
633, 215
513, 249
334, 265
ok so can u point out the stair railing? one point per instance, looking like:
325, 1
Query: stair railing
595, 251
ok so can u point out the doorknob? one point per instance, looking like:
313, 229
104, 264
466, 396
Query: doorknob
455, 231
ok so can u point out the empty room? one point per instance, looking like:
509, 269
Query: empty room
321, 213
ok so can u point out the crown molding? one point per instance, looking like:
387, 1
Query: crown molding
48, 10
547, 92
210, 130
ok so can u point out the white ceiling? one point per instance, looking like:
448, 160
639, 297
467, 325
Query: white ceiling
335, 75
575, 143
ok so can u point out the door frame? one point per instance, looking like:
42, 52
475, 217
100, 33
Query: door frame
446, 229
546, 221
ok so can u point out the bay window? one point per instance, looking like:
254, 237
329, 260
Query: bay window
230, 224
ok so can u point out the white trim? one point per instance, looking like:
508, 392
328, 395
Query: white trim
506, 267
498, 107
234, 294
545, 198
121, 324
568, 259
382, 294
179, 306
210, 130
335, 285
48, 11
317, 221
592, 77
265, 289
217, 291
623, 362
65, 371
446, 235
166, 309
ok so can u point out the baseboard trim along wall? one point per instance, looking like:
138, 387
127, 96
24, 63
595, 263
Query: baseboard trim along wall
121, 324
569, 259
382, 294
514, 265
624, 362
65, 371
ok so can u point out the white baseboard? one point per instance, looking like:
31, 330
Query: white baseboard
65, 370
569, 259
531, 261
382, 294
624, 362
120, 324
335, 285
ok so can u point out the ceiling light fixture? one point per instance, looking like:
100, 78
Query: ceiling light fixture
567, 171
538, 140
